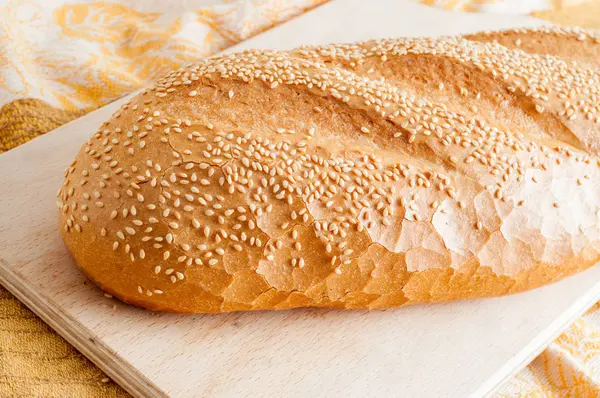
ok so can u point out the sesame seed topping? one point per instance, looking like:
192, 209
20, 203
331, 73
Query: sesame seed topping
225, 188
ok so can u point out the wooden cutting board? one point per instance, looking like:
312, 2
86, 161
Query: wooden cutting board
457, 349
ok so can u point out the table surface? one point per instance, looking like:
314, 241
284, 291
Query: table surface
458, 349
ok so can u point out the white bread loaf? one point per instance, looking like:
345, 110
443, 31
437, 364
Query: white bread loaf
366, 175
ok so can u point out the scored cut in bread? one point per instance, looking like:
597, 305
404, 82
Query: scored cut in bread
367, 175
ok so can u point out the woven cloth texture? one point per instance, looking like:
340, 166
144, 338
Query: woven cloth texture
60, 59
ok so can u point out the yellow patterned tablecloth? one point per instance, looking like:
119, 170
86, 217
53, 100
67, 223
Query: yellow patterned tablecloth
59, 59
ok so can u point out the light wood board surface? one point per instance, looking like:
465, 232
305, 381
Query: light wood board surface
457, 349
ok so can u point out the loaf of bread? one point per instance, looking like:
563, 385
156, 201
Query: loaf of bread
367, 175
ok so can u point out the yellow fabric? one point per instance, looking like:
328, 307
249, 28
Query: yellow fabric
60, 59
504, 6
586, 15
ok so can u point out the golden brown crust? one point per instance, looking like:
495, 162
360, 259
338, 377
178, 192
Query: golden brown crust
368, 175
